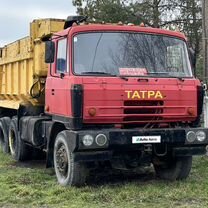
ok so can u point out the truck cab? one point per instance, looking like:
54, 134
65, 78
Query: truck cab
127, 95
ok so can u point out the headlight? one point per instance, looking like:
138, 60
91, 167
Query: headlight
191, 136
101, 139
201, 136
87, 140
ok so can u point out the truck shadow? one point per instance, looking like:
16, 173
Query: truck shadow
32, 164
116, 177
99, 177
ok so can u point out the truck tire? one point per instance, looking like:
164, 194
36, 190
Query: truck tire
185, 168
176, 169
4, 138
68, 171
19, 150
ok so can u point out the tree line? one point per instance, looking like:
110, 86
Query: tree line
181, 15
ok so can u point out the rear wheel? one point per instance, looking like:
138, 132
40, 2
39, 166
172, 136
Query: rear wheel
68, 171
19, 150
4, 138
175, 169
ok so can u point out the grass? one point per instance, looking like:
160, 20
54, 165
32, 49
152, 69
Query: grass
31, 185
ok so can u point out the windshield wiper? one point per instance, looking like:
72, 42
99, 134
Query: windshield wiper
122, 77
166, 73
94, 73
149, 73
180, 78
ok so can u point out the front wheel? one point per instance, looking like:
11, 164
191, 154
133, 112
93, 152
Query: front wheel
174, 169
68, 171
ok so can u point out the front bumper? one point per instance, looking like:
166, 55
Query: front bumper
122, 139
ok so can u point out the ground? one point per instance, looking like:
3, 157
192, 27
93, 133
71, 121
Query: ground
31, 185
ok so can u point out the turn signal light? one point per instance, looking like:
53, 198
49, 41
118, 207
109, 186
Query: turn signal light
92, 112
46, 108
190, 111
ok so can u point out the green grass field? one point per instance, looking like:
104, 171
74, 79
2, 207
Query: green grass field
31, 185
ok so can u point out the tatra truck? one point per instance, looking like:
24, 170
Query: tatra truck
95, 95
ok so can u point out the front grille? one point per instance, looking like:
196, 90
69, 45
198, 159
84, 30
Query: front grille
143, 110
139, 119
139, 111
143, 103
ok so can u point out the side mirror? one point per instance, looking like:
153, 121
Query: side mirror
49, 52
192, 56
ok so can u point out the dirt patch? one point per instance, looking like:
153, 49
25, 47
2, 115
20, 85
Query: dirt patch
33, 164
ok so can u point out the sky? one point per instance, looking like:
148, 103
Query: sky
15, 15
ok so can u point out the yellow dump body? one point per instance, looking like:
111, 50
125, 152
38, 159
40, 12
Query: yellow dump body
22, 66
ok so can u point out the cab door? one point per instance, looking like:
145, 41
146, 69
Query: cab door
58, 84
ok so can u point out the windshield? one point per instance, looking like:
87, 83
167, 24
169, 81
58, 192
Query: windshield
130, 54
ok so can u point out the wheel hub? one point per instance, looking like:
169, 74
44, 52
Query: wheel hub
62, 160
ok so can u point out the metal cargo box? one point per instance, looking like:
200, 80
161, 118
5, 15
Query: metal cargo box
22, 67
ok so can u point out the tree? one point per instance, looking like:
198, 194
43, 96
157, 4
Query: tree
106, 10
155, 13
150, 12
191, 25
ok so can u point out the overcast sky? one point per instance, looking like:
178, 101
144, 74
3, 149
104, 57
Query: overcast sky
15, 15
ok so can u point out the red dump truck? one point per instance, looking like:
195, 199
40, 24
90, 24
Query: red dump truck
117, 95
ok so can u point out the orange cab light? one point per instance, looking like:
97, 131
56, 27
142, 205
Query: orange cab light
74, 24
92, 112
130, 24
47, 108
120, 23
190, 111
142, 24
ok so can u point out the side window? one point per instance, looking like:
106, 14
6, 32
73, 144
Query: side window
61, 62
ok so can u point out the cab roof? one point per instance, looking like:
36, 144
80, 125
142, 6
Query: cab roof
122, 28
